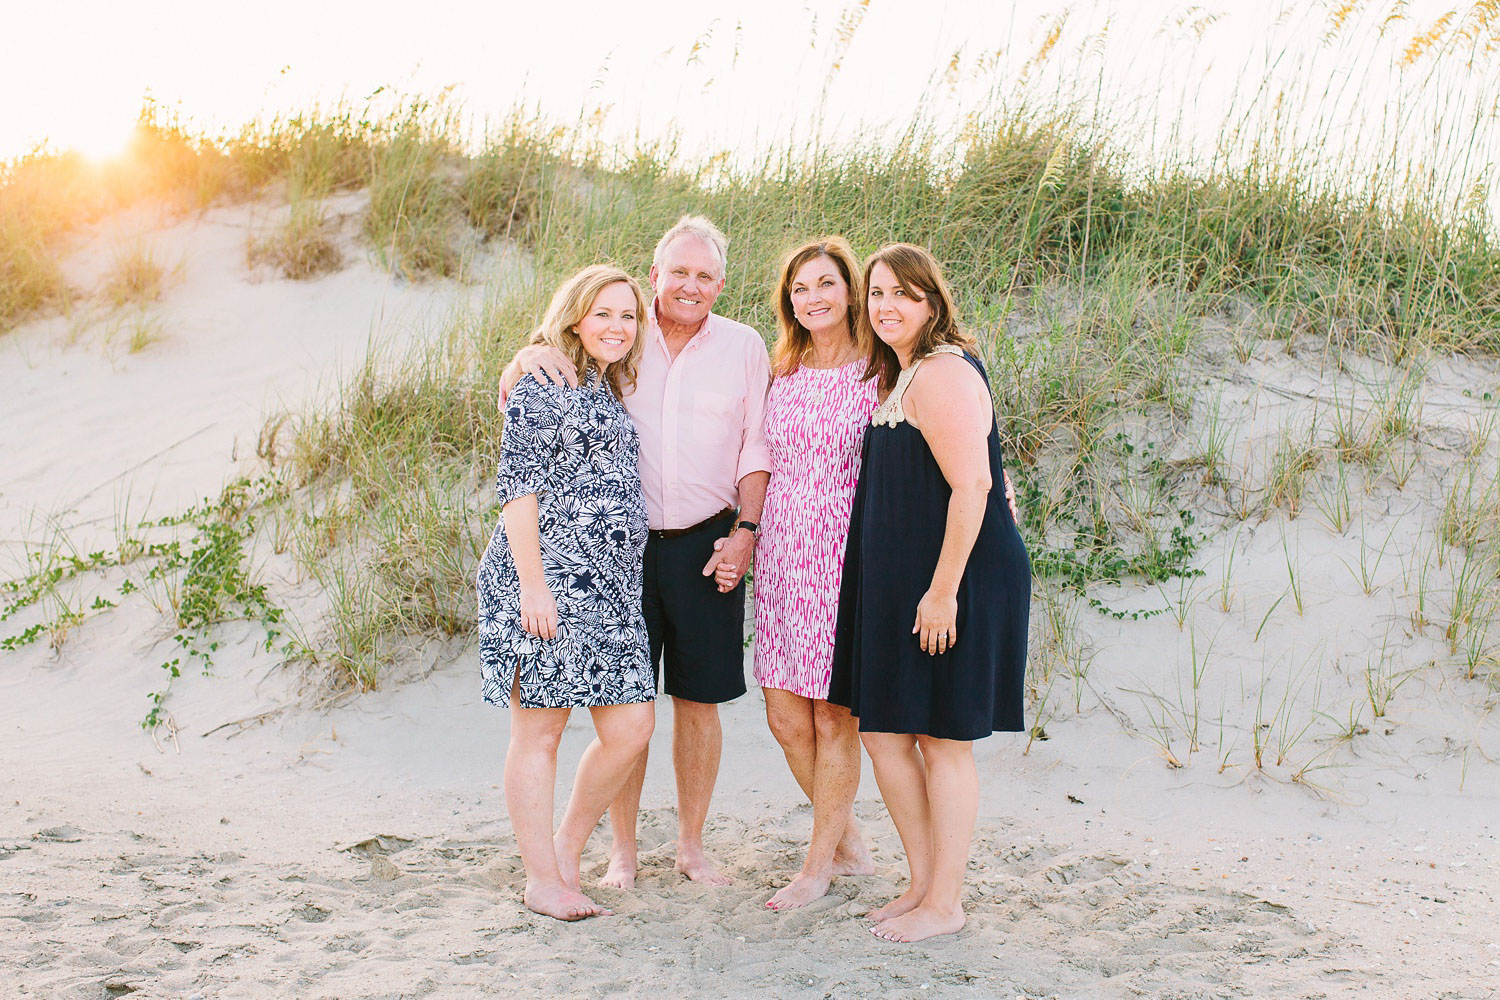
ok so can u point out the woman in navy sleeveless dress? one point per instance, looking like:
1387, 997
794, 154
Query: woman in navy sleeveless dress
930, 647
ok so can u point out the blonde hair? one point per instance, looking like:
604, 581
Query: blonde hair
919, 274
697, 226
571, 302
793, 339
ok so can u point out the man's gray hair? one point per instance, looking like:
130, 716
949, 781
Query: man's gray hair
697, 226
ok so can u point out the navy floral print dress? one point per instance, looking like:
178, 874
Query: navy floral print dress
577, 450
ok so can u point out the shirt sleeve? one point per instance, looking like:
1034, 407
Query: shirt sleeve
533, 430
755, 454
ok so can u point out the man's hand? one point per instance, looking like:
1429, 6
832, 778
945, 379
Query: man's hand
540, 362
1010, 498
731, 559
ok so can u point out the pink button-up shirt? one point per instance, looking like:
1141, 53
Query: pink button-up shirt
700, 419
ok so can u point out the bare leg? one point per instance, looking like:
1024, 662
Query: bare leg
953, 794
697, 741
530, 774
902, 777
838, 770
623, 732
793, 722
835, 781
622, 816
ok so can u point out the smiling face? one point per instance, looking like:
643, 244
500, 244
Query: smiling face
608, 328
687, 281
820, 296
896, 313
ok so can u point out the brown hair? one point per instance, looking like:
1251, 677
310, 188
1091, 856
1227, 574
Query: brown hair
921, 276
571, 302
793, 340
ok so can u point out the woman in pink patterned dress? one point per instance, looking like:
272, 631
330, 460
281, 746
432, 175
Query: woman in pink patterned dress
816, 415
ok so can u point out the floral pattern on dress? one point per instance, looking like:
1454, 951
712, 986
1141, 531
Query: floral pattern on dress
577, 450
815, 425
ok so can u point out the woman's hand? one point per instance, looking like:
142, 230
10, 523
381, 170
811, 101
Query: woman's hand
539, 612
731, 559
936, 627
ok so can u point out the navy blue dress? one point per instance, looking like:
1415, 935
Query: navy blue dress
896, 532
577, 450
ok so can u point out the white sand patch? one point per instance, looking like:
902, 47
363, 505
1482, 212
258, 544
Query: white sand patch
274, 848
92, 429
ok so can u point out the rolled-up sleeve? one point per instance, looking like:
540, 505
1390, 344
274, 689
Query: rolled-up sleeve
533, 430
755, 454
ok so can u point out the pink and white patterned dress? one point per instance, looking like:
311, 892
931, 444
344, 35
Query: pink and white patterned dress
815, 426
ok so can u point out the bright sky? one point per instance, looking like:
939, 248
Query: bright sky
729, 76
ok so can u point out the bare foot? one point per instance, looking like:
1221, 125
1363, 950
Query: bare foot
697, 867
622, 868
904, 903
800, 891
561, 902
920, 924
851, 857
567, 863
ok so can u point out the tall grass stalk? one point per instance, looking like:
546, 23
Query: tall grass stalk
1084, 267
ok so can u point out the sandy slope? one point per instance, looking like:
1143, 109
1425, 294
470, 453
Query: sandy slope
362, 851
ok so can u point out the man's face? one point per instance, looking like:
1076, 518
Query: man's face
687, 280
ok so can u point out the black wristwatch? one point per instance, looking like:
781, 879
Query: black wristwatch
749, 526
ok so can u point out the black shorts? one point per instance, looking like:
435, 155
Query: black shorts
697, 634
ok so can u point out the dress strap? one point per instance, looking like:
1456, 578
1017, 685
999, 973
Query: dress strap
890, 413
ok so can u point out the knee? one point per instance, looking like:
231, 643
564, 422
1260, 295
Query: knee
629, 734
792, 730
832, 722
943, 753
638, 734
537, 741
695, 716
887, 746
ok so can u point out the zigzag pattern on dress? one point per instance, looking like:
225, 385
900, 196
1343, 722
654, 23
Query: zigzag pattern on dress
815, 426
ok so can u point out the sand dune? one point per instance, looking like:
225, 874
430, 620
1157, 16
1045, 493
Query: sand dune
276, 847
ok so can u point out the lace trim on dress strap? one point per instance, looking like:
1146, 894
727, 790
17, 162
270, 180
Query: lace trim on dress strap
890, 413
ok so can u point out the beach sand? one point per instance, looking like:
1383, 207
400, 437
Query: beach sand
274, 842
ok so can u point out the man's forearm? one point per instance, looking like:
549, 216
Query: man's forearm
753, 495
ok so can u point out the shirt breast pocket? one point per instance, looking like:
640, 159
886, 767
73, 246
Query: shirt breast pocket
714, 416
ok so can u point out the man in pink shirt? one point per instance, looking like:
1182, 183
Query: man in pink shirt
698, 406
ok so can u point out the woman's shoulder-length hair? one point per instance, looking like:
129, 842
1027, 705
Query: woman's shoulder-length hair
921, 276
793, 339
571, 302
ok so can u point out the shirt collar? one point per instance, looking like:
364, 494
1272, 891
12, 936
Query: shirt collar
702, 334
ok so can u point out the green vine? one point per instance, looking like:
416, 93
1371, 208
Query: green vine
1099, 552
210, 572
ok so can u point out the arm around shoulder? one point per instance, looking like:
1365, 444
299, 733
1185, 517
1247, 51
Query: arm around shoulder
542, 362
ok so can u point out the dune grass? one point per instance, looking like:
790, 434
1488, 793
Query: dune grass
301, 248
135, 276
1088, 274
